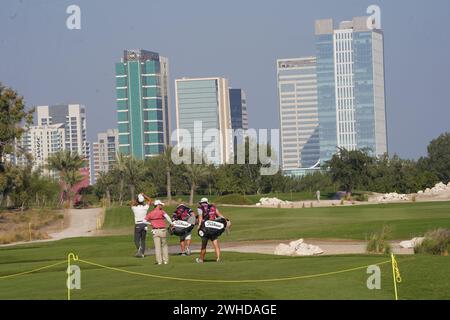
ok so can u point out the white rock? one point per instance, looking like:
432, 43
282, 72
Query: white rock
274, 202
297, 248
393, 196
284, 250
308, 250
438, 188
410, 244
295, 244
420, 192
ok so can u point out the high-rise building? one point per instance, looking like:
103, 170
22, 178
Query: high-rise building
142, 103
73, 117
40, 142
297, 93
238, 113
238, 109
73, 120
205, 102
350, 80
104, 151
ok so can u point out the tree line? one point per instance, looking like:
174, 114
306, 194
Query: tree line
21, 187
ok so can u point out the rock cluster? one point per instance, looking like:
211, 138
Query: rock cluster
437, 189
273, 202
297, 248
393, 196
410, 244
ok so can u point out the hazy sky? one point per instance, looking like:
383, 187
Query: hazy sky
236, 39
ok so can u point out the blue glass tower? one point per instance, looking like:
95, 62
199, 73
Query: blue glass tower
350, 81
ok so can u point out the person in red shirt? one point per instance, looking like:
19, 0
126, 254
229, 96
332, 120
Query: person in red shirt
157, 219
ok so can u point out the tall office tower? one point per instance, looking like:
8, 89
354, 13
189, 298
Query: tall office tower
350, 80
40, 142
143, 103
297, 93
205, 102
238, 113
104, 151
238, 108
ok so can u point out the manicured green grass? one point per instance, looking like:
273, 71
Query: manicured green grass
424, 277
254, 198
351, 222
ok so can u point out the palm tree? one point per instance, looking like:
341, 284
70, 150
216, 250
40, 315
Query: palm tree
131, 170
118, 171
105, 183
195, 173
68, 165
167, 160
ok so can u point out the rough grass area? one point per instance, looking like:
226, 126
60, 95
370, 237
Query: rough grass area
14, 225
235, 199
436, 242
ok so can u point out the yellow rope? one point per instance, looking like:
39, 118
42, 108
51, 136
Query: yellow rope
32, 271
229, 281
395, 275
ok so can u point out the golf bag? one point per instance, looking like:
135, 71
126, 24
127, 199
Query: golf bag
212, 229
181, 228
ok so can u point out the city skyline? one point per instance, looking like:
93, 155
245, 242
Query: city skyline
410, 126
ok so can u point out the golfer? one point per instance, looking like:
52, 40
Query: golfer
207, 211
157, 218
140, 209
184, 213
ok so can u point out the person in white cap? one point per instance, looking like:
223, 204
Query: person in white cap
207, 211
140, 209
157, 218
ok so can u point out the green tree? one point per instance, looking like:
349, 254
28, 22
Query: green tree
105, 185
132, 172
118, 172
195, 174
12, 115
439, 157
68, 165
350, 168
168, 166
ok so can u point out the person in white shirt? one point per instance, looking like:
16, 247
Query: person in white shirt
140, 209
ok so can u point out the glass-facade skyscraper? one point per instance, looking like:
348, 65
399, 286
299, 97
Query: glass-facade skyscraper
350, 84
299, 123
238, 109
239, 115
205, 102
142, 103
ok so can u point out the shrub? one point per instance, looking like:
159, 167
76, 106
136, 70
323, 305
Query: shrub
363, 197
436, 242
233, 199
378, 242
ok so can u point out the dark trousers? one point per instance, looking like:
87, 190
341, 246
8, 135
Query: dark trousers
140, 235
